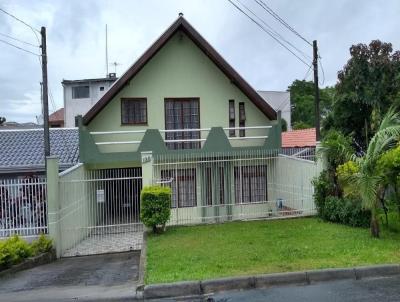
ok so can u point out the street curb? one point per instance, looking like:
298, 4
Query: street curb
30, 263
178, 289
216, 285
198, 288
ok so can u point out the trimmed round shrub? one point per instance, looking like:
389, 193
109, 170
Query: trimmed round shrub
155, 207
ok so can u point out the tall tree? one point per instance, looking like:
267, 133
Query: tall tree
368, 85
303, 106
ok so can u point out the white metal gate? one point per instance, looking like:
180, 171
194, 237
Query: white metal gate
100, 211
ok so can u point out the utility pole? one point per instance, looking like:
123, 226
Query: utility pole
46, 135
106, 52
317, 114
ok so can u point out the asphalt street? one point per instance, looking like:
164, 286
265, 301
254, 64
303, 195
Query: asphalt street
373, 289
379, 289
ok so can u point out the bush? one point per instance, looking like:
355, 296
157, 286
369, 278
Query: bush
155, 207
323, 187
42, 245
344, 172
345, 211
13, 251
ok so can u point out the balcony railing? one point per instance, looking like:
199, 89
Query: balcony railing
255, 134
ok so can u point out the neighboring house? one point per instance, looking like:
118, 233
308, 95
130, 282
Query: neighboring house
23, 196
303, 138
81, 95
280, 101
56, 119
22, 150
15, 125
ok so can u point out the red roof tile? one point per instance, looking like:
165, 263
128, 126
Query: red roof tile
57, 115
299, 138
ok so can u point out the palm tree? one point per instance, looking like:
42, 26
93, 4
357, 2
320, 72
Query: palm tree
367, 180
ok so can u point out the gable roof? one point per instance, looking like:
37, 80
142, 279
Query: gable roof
57, 116
299, 138
209, 51
22, 149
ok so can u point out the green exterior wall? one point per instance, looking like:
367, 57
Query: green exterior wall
180, 69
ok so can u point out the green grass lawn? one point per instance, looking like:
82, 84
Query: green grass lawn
256, 247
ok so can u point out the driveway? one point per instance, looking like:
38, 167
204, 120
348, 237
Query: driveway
75, 279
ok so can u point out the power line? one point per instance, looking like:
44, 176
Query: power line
20, 48
18, 40
268, 32
322, 69
16, 18
279, 36
307, 73
280, 20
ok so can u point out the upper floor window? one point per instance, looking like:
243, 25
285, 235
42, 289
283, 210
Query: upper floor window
242, 119
134, 111
182, 113
80, 92
231, 117
101, 88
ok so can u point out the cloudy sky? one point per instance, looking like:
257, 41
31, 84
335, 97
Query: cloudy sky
76, 39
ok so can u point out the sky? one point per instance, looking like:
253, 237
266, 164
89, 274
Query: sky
76, 40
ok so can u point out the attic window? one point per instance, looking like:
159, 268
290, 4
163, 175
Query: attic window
134, 111
80, 92
102, 88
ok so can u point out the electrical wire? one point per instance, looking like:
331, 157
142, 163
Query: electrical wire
18, 40
279, 36
16, 18
268, 32
322, 69
270, 11
20, 48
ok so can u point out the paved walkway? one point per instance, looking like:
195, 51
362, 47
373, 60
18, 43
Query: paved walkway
107, 243
79, 278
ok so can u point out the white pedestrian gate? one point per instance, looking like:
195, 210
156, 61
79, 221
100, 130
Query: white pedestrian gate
100, 211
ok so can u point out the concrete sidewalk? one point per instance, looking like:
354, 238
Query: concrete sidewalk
90, 278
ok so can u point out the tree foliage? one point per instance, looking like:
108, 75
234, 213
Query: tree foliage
368, 85
367, 181
303, 104
2, 120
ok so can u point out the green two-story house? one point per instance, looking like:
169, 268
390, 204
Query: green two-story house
180, 116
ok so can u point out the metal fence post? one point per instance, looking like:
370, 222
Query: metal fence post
147, 168
53, 202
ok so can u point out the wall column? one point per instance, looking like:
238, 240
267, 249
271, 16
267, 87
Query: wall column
147, 168
53, 202
322, 161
